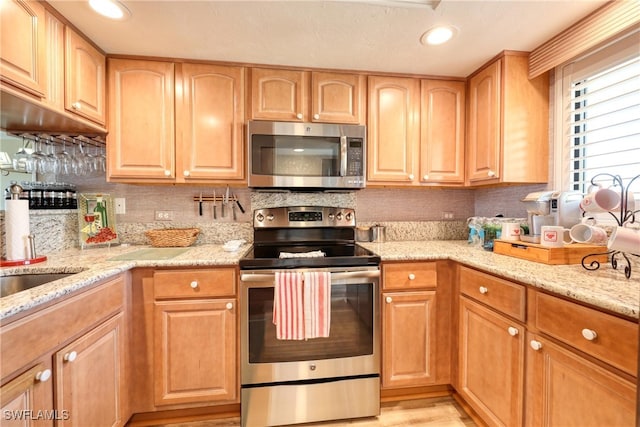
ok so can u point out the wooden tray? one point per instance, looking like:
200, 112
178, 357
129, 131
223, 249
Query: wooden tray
570, 254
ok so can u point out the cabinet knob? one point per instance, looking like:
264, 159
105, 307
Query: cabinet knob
536, 345
491, 173
412, 276
167, 172
194, 284
70, 357
411, 177
512, 331
299, 116
229, 305
388, 300
589, 334
187, 173
43, 376
483, 290
76, 106
316, 116
425, 177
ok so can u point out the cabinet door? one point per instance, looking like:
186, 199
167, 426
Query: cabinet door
195, 351
337, 97
22, 45
491, 364
54, 92
84, 78
279, 94
442, 116
564, 389
408, 339
89, 377
141, 139
210, 118
483, 125
28, 395
393, 131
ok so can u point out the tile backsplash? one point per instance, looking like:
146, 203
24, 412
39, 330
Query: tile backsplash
408, 214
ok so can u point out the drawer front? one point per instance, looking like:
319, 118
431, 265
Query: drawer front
606, 337
502, 295
409, 275
215, 282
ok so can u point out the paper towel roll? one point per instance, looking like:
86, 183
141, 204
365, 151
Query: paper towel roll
16, 223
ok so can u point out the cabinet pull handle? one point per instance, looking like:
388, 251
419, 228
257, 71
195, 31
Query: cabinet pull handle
491, 173
315, 116
299, 116
512, 331
410, 177
76, 106
483, 290
194, 284
71, 356
43, 376
536, 345
388, 300
589, 334
412, 276
187, 173
229, 305
425, 177
167, 172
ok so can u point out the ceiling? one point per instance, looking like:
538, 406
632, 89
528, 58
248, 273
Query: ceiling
347, 35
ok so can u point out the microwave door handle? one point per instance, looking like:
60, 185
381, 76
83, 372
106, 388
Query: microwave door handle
343, 156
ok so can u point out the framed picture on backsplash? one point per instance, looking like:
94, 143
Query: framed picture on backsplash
96, 220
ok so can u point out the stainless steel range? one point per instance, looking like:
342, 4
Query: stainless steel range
337, 376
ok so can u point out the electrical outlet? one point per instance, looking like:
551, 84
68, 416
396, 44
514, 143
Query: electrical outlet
164, 215
120, 205
447, 215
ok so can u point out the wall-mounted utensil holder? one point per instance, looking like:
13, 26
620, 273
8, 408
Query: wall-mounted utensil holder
224, 200
626, 214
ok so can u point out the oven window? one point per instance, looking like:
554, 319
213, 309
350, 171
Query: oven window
295, 155
351, 332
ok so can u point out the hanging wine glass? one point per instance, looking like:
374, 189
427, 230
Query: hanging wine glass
64, 158
21, 159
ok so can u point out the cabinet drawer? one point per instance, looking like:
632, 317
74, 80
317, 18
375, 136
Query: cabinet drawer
194, 283
409, 275
500, 294
615, 341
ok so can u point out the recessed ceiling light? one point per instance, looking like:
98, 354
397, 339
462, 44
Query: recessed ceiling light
438, 35
112, 9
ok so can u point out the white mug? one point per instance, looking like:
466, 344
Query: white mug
625, 239
554, 236
600, 200
510, 231
584, 233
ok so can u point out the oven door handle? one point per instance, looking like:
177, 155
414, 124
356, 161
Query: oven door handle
271, 277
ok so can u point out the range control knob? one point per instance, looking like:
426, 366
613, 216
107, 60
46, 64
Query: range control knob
339, 216
270, 217
260, 217
331, 216
348, 216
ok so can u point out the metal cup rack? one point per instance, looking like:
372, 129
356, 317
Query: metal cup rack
622, 217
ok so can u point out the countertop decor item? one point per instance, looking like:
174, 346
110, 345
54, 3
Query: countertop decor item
172, 237
624, 216
96, 220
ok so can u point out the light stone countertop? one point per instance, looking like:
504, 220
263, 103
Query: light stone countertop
606, 288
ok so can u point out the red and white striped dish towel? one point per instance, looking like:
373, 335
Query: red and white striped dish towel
288, 306
317, 304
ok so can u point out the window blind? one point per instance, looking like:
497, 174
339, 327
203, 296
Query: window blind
604, 124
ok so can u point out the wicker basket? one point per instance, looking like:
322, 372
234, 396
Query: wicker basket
172, 237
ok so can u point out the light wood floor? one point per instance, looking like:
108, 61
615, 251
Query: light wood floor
433, 412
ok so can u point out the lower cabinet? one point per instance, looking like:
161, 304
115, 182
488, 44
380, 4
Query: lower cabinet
88, 375
565, 389
491, 364
29, 393
194, 337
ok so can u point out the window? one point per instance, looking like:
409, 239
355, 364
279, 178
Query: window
600, 102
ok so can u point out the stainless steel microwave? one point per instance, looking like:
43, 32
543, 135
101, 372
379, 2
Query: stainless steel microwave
306, 155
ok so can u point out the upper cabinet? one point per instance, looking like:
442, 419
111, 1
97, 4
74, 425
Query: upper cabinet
23, 62
175, 122
416, 131
301, 96
84, 78
507, 123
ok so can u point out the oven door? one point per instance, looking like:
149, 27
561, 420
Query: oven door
352, 348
